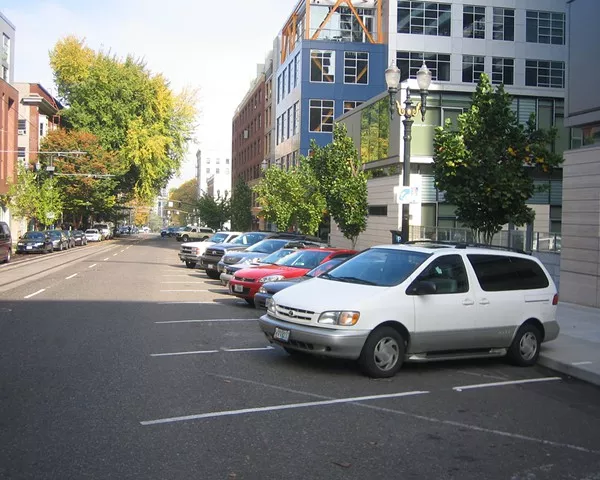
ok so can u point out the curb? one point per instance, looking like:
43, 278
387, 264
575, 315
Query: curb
576, 371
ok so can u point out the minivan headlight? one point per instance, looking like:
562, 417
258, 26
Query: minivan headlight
271, 278
344, 318
270, 304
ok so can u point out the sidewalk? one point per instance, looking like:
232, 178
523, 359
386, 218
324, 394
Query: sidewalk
576, 351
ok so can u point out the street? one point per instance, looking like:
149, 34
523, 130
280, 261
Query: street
120, 363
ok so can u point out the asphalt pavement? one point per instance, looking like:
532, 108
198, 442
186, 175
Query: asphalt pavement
123, 364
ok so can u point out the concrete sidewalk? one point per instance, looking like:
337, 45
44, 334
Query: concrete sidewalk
576, 351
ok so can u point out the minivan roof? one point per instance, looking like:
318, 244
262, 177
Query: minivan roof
434, 248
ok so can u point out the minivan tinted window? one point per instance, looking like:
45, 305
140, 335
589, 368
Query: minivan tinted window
497, 273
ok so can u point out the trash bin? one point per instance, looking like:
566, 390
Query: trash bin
396, 236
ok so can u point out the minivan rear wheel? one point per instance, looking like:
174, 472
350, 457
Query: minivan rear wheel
383, 353
525, 348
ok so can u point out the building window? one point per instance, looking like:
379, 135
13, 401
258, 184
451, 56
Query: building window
22, 127
409, 64
322, 66
217, 171
284, 83
356, 67
424, 18
278, 88
297, 70
350, 104
503, 70
4, 73
472, 68
377, 210
473, 21
350, 29
321, 116
543, 73
545, 27
226, 161
21, 152
208, 170
503, 26
296, 118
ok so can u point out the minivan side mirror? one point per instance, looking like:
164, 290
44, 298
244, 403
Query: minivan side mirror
422, 287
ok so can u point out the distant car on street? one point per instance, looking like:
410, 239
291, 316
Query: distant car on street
59, 239
35, 242
93, 235
80, 238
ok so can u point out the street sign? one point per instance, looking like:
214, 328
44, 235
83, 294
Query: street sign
410, 195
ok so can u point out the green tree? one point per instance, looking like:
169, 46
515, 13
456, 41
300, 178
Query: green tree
342, 181
485, 165
291, 198
185, 199
241, 206
214, 212
133, 112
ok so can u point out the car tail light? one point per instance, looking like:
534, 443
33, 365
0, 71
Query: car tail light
555, 299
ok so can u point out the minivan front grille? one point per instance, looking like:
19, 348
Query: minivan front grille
283, 311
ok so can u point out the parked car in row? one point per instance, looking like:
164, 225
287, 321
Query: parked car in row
245, 283
271, 259
193, 233
59, 239
427, 302
93, 235
80, 238
190, 253
35, 242
5, 242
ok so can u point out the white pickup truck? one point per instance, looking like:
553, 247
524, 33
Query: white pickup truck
190, 252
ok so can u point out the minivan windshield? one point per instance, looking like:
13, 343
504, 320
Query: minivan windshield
381, 267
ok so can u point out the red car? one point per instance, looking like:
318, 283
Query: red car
245, 283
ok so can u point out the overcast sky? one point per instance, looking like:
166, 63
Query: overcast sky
210, 45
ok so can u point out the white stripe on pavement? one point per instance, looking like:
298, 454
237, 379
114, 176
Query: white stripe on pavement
511, 382
93, 265
582, 363
35, 293
167, 291
247, 349
115, 254
182, 353
211, 321
71, 276
273, 408
191, 281
105, 259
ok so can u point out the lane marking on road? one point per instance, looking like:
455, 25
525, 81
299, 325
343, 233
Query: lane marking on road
93, 265
35, 293
582, 363
440, 421
105, 259
115, 254
122, 250
167, 291
70, 276
171, 354
510, 382
216, 320
247, 349
273, 408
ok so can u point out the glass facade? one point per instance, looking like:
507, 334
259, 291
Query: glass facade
375, 131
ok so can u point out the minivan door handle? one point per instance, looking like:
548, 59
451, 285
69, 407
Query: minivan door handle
468, 302
484, 301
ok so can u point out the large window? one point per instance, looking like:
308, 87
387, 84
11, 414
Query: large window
297, 70
409, 64
503, 70
375, 131
503, 26
350, 104
342, 25
321, 115
543, 73
322, 66
473, 67
473, 21
356, 67
545, 27
448, 274
424, 18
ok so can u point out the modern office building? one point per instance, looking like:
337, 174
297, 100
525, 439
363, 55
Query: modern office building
580, 253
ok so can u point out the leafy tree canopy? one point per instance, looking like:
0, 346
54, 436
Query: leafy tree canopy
484, 164
241, 206
342, 181
214, 212
133, 112
184, 198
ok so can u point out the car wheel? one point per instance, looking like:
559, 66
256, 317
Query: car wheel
60, 247
189, 264
8, 256
249, 301
383, 353
185, 238
525, 348
212, 274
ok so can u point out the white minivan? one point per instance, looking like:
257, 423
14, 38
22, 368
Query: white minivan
423, 302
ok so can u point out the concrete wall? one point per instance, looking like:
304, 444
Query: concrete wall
580, 266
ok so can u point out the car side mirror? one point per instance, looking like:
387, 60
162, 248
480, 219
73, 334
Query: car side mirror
422, 287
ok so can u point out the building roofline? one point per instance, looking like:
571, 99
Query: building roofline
7, 21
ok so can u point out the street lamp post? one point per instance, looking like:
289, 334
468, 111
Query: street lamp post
392, 79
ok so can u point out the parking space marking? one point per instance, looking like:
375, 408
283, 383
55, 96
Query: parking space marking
272, 408
115, 254
582, 363
186, 303
215, 320
510, 382
35, 293
191, 281
182, 353
175, 275
70, 276
247, 349
122, 250
92, 265
105, 259
167, 291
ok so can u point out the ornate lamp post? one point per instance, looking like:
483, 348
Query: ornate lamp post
392, 79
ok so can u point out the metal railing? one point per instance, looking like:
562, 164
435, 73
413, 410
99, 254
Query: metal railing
514, 239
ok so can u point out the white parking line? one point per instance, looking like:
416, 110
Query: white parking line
582, 363
511, 382
247, 349
35, 293
93, 265
216, 320
273, 408
115, 254
122, 250
167, 291
182, 353
175, 275
105, 259
71, 276
186, 303
191, 281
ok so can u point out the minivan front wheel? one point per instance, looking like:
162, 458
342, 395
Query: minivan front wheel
383, 353
525, 348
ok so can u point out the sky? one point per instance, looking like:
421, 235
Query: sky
212, 46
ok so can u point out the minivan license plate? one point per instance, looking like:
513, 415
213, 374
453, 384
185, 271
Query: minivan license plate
281, 334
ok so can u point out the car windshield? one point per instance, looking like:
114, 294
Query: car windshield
248, 239
308, 259
382, 267
267, 246
91, 231
217, 238
325, 267
187, 229
54, 233
34, 236
277, 255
